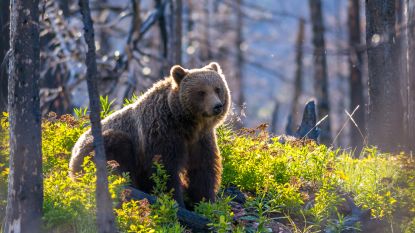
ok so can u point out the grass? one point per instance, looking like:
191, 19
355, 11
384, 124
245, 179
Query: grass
299, 183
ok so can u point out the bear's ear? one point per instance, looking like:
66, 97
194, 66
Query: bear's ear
178, 73
214, 66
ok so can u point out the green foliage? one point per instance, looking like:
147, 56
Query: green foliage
159, 177
105, 106
139, 216
135, 216
4, 161
165, 209
305, 179
133, 99
80, 112
299, 183
70, 206
371, 179
219, 213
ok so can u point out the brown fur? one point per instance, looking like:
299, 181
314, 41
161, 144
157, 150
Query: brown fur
175, 119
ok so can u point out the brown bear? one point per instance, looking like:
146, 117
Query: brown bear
174, 120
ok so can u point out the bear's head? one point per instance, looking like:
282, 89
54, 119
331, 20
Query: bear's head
202, 92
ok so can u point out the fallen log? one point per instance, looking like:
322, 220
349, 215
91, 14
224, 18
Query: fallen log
188, 218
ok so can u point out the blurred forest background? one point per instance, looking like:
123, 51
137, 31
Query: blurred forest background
276, 55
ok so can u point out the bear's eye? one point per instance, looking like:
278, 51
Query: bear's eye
217, 90
201, 93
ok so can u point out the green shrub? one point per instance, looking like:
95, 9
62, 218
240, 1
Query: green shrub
302, 181
219, 213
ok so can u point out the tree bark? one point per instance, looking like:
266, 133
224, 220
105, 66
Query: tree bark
274, 118
298, 82
385, 104
206, 52
411, 74
320, 69
105, 215
164, 40
4, 47
25, 190
355, 68
175, 30
239, 56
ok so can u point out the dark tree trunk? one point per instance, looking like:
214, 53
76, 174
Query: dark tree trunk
239, 56
105, 215
298, 82
206, 54
274, 119
175, 31
401, 58
64, 6
320, 69
4, 47
189, 8
411, 75
385, 105
25, 191
164, 40
134, 33
355, 69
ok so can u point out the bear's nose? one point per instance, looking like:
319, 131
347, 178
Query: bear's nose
217, 109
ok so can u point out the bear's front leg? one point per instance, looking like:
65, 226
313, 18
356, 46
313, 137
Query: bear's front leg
204, 169
173, 157
174, 182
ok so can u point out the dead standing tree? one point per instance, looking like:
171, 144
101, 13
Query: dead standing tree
320, 69
105, 215
355, 68
239, 55
298, 81
411, 74
4, 47
25, 190
385, 107
175, 33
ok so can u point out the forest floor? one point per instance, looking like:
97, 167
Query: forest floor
267, 186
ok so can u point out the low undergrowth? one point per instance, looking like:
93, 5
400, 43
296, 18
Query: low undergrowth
305, 186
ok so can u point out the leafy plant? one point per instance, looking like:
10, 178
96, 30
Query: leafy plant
301, 181
133, 99
81, 112
106, 106
219, 213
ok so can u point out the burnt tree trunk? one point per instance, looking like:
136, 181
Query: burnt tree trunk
274, 119
164, 40
320, 69
25, 190
239, 55
4, 47
105, 215
355, 69
206, 52
385, 105
411, 74
298, 80
175, 31
134, 33
190, 32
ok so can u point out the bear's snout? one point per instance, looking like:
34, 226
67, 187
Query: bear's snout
218, 108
